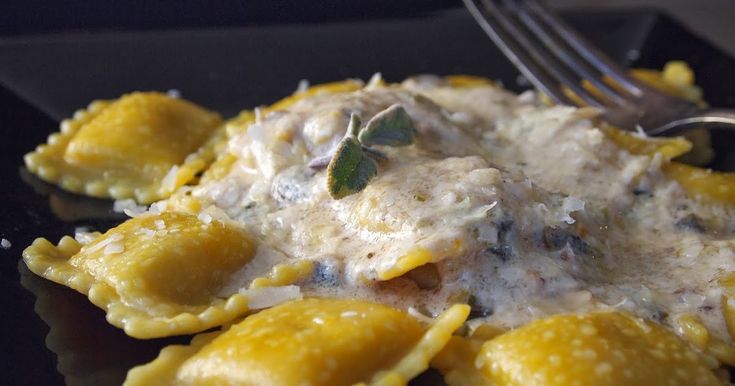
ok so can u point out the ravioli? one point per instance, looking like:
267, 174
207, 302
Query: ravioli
142, 145
602, 348
330, 341
155, 275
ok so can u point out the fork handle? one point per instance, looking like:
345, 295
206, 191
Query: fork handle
710, 119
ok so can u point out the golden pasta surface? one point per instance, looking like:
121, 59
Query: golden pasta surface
127, 147
155, 275
593, 349
308, 342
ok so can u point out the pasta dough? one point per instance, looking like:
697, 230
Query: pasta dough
155, 275
593, 349
328, 342
142, 145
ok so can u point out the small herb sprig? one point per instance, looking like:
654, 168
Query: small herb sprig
353, 163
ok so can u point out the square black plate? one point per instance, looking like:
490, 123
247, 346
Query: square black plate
45, 78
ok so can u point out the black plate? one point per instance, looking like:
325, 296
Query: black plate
45, 78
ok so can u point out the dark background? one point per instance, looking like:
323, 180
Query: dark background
42, 16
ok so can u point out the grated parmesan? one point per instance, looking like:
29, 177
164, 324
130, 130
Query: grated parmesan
174, 93
105, 241
569, 205
169, 181
113, 248
303, 85
129, 207
205, 218
259, 298
85, 238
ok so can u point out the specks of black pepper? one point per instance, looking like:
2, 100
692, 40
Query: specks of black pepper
250, 205
556, 238
419, 197
478, 310
370, 255
705, 309
659, 316
580, 246
642, 192
504, 227
475, 233
326, 274
691, 223
682, 207
502, 251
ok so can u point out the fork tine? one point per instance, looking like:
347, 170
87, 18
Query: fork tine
584, 49
538, 52
568, 56
548, 72
528, 67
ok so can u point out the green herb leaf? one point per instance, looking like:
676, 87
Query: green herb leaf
392, 127
350, 169
354, 126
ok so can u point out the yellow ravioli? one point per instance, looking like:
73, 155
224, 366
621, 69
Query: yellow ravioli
308, 342
669, 147
406, 215
347, 85
698, 182
603, 348
155, 275
142, 145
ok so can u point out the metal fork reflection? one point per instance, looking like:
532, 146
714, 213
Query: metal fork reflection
557, 61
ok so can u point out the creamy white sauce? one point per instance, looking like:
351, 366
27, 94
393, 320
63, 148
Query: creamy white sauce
550, 215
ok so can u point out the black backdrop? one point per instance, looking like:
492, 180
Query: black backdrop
41, 16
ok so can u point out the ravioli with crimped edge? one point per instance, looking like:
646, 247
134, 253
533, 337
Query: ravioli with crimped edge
420, 205
602, 348
142, 145
307, 342
159, 274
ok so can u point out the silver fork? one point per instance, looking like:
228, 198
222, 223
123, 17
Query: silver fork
552, 56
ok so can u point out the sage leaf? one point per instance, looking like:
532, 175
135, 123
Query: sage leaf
354, 126
392, 127
350, 169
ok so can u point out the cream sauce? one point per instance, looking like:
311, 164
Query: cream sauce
527, 210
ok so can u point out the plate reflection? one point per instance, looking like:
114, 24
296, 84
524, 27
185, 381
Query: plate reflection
89, 350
